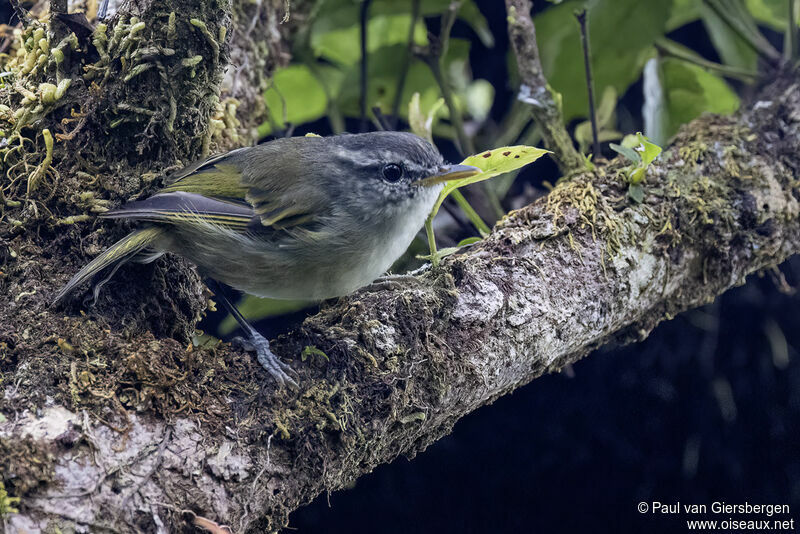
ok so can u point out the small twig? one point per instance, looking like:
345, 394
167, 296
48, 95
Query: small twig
287, 15
790, 50
581, 16
364, 71
381, 121
21, 13
669, 48
434, 57
431, 239
401, 81
534, 89
470, 212
161, 448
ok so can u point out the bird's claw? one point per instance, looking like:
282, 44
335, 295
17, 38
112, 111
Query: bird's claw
281, 372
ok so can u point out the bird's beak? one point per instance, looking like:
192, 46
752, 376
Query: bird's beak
449, 172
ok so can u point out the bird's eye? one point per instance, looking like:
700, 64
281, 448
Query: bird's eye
392, 172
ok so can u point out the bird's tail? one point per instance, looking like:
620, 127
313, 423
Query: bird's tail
118, 253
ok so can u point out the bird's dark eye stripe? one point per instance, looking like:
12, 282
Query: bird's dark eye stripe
392, 172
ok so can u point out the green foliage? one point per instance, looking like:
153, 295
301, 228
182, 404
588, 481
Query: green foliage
640, 152
296, 96
772, 13
491, 163
422, 123
622, 33
605, 122
683, 12
327, 78
342, 44
690, 90
340, 14
733, 50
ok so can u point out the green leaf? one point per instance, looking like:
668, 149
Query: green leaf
733, 50
626, 152
295, 96
493, 163
479, 97
648, 150
421, 123
470, 14
636, 192
772, 13
636, 176
468, 241
689, 91
683, 12
621, 33
343, 44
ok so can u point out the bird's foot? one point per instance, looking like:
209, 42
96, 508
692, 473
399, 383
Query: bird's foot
281, 372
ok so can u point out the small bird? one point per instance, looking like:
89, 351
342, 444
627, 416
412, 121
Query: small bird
296, 218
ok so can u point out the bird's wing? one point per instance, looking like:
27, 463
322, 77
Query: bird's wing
261, 177
180, 207
217, 177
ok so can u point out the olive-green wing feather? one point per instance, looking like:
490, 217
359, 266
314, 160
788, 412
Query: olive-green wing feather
263, 177
186, 208
219, 177
122, 250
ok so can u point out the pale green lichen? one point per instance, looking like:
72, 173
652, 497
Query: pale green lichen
311, 351
212, 42
7, 503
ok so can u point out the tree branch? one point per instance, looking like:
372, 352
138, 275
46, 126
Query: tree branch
534, 89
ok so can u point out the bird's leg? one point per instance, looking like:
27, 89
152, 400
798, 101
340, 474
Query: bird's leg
255, 342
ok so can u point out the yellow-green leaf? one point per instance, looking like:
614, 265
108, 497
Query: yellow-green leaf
493, 163
421, 123
649, 151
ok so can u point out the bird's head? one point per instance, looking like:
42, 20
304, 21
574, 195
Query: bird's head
384, 173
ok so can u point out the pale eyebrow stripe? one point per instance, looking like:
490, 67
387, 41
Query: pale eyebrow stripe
355, 158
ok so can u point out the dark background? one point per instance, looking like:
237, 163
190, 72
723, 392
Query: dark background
706, 409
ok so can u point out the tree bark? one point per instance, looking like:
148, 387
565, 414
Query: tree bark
111, 419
